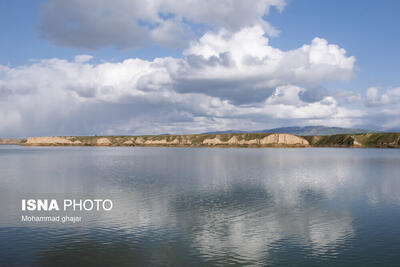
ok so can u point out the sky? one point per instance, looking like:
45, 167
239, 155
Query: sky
85, 67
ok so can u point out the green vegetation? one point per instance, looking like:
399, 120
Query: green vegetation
336, 140
357, 140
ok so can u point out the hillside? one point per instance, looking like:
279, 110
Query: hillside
10, 141
382, 140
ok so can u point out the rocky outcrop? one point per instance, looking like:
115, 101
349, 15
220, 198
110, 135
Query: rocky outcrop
287, 139
103, 142
250, 142
128, 143
233, 141
10, 141
213, 141
139, 141
174, 142
48, 140
356, 142
272, 139
156, 142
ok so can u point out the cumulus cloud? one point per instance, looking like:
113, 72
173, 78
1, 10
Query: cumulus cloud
349, 97
228, 64
82, 58
314, 94
390, 96
126, 24
382, 105
226, 79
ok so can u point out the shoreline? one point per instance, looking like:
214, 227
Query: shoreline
245, 140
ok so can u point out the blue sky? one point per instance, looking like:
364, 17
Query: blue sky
23, 41
367, 30
359, 88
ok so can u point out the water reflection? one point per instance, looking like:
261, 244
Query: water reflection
204, 206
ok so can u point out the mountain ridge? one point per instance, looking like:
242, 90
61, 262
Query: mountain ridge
301, 130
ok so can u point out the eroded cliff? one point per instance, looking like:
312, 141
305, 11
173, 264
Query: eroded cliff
384, 140
11, 141
173, 140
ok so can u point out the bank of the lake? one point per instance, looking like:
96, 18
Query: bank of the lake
377, 140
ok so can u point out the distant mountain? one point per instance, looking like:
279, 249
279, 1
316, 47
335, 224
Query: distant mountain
314, 130
227, 132
393, 130
306, 130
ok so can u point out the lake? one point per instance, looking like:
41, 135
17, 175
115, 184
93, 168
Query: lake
204, 206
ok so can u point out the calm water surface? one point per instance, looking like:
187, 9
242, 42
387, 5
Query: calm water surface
205, 207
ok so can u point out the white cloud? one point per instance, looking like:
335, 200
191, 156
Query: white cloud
125, 24
230, 63
390, 96
82, 58
372, 95
383, 106
226, 79
229, 78
350, 97
250, 54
